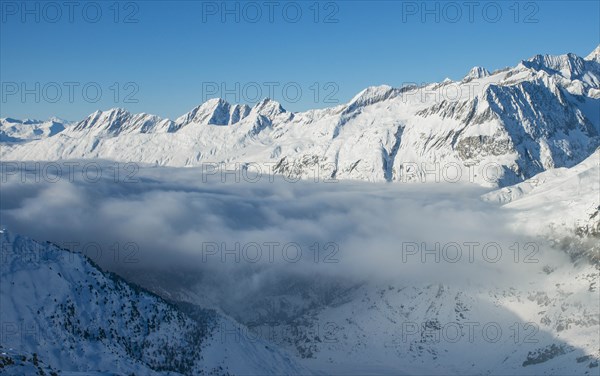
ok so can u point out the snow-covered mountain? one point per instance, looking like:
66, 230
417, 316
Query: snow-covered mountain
118, 121
594, 55
499, 128
401, 328
60, 312
12, 130
477, 72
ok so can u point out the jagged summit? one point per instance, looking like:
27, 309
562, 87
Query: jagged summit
118, 121
569, 65
372, 92
594, 55
216, 111
477, 72
268, 107
371, 95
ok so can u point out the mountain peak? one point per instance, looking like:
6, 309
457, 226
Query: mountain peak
477, 72
371, 95
594, 55
372, 91
215, 111
100, 117
56, 119
568, 65
215, 102
118, 120
115, 111
268, 107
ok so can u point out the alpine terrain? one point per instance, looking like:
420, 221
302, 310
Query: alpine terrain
457, 232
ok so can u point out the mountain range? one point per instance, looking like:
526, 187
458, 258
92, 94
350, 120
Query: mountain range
492, 128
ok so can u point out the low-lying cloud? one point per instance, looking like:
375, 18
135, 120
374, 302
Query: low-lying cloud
243, 236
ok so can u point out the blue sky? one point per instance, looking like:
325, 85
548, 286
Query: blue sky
174, 54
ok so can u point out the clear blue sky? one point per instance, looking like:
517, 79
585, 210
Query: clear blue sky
176, 47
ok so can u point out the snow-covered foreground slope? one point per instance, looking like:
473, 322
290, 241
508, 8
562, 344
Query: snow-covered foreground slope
59, 312
547, 323
490, 128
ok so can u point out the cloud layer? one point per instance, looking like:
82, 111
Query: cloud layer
248, 233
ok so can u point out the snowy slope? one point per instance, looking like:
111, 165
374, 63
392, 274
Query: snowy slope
410, 329
562, 204
74, 317
498, 128
546, 322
